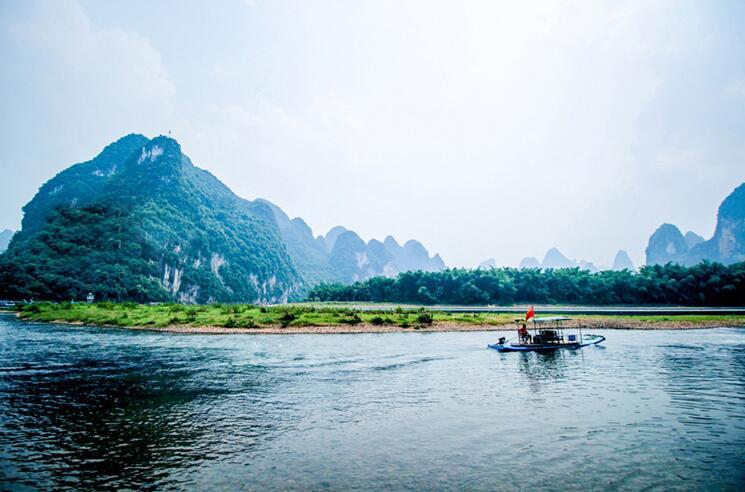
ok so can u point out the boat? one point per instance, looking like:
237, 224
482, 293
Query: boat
548, 334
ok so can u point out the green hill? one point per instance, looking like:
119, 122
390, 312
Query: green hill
141, 222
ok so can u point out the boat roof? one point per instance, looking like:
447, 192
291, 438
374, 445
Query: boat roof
548, 319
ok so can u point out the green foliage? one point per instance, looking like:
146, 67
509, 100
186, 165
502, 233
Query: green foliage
352, 319
80, 250
707, 283
287, 318
163, 315
121, 229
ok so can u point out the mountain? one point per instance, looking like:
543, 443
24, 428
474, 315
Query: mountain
342, 256
310, 255
665, 245
330, 239
487, 264
414, 256
587, 265
622, 261
555, 259
727, 245
530, 262
5, 237
692, 239
141, 222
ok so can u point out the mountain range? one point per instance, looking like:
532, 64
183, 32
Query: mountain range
727, 245
140, 221
556, 259
342, 256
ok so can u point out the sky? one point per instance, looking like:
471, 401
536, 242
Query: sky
482, 129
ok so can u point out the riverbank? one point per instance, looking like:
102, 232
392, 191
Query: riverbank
297, 319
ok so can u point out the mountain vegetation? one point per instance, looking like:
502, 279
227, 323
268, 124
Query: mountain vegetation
294, 316
141, 222
703, 284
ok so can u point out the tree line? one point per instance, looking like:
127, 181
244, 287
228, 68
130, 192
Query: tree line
705, 284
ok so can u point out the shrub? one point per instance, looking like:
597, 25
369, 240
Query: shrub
405, 324
287, 318
247, 323
191, 314
31, 308
424, 318
352, 320
377, 320
229, 323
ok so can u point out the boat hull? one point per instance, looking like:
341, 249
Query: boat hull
529, 347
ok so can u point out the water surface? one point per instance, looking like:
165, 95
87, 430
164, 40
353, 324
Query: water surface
92, 408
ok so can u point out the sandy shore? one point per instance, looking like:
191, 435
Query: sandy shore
585, 323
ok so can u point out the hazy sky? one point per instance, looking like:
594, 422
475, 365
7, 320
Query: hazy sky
484, 129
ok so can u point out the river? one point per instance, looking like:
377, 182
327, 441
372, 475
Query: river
91, 408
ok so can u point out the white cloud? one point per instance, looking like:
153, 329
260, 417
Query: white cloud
112, 77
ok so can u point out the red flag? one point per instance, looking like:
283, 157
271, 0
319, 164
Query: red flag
530, 314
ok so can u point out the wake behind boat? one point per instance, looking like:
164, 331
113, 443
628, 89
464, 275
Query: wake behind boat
548, 333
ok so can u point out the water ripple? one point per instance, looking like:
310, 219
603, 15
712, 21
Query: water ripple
90, 408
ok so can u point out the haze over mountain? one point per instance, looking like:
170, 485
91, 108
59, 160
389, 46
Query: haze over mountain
622, 261
5, 237
342, 256
556, 259
140, 221
727, 245
530, 262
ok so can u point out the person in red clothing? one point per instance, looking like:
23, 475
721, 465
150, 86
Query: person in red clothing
522, 332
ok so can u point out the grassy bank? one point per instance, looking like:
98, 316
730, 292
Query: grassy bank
298, 318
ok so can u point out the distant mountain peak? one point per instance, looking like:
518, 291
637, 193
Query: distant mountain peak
556, 259
488, 263
692, 239
622, 261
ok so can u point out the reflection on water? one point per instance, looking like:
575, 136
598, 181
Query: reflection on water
542, 368
97, 408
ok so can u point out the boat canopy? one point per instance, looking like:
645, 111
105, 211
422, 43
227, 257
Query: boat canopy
550, 319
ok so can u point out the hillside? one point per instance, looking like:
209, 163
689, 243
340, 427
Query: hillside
727, 245
141, 222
